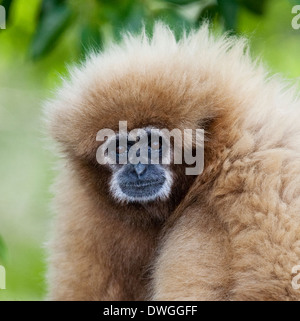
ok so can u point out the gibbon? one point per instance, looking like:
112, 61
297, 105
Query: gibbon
152, 232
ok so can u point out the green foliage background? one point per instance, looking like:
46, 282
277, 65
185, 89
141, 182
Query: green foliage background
41, 39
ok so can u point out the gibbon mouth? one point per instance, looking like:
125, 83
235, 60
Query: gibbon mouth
143, 189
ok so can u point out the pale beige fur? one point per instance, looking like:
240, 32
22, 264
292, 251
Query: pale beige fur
233, 232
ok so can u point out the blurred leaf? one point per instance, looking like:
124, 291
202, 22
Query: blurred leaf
229, 10
175, 21
2, 250
135, 19
90, 38
208, 13
181, 1
50, 27
108, 1
49, 5
7, 5
294, 2
130, 18
256, 6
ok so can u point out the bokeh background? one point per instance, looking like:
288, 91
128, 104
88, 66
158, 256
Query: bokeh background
41, 39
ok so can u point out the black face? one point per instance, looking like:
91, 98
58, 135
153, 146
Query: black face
141, 182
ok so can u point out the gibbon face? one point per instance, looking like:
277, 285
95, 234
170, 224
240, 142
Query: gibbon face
139, 180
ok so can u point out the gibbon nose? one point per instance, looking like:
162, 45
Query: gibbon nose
140, 169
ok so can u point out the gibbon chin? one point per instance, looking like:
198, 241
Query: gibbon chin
140, 231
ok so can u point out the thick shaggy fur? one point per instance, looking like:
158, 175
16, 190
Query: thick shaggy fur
233, 232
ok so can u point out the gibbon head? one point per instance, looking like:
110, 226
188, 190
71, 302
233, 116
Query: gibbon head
151, 84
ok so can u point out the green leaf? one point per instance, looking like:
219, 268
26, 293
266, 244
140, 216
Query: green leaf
130, 19
181, 2
49, 5
50, 27
256, 6
294, 2
134, 21
208, 13
229, 10
3, 250
175, 21
90, 38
